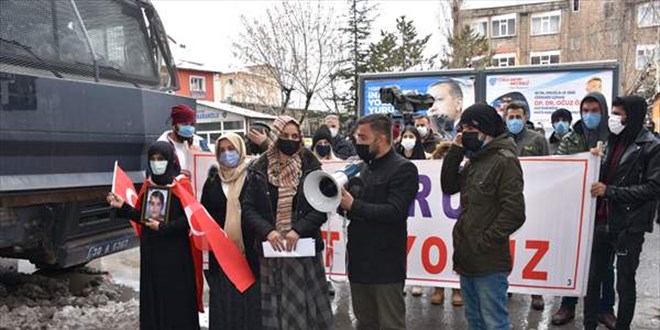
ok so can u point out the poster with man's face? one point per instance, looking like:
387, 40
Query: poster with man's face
451, 94
156, 205
545, 92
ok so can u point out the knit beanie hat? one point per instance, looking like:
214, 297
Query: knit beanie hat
484, 118
323, 133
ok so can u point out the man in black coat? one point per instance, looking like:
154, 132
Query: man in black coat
377, 234
627, 194
341, 146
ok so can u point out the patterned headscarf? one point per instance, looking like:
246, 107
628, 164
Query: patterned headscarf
285, 177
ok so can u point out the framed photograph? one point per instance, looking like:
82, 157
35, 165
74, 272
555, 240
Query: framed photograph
156, 205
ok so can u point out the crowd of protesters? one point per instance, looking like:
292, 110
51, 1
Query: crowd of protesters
262, 200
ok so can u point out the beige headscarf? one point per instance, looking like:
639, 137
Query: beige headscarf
235, 178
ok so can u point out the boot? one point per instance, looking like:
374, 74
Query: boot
608, 320
456, 298
438, 296
563, 316
537, 302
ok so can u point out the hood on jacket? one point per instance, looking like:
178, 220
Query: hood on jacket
635, 108
602, 132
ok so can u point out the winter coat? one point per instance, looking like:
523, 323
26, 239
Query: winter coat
635, 189
492, 205
378, 229
581, 139
530, 143
553, 143
258, 212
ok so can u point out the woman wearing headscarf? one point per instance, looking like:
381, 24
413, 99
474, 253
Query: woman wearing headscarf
294, 294
228, 308
410, 146
322, 144
167, 272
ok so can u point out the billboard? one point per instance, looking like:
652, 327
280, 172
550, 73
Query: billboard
446, 89
546, 92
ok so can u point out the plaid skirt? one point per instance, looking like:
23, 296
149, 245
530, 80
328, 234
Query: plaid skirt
294, 294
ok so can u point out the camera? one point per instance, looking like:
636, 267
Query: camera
407, 104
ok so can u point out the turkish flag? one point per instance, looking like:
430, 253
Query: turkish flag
208, 235
122, 185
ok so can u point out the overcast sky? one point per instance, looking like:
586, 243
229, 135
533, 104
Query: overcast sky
208, 28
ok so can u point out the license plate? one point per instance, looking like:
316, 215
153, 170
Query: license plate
105, 248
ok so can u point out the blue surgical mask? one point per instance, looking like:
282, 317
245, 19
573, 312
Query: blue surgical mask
158, 167
515, 126
561, 127
186, 131
591, 120
229, 158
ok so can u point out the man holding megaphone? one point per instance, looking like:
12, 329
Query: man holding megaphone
377, 232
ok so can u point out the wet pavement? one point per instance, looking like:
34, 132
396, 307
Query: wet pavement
422, 315
123, 269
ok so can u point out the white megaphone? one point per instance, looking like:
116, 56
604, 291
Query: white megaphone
323, 190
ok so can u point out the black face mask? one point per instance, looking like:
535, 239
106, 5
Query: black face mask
288, 147
471, 142
364, 152
322, 150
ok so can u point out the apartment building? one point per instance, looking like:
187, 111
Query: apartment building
563, 31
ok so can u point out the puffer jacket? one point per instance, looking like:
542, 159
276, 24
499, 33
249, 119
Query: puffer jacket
258, 213
635, 189
492, 205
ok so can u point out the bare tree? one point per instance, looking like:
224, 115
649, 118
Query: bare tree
299, 44
314, 40
263, 43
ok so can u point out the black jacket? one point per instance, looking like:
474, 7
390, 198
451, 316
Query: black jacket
377, 233
342, 147
258, 212
635, 189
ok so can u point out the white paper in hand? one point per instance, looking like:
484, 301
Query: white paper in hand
306, 247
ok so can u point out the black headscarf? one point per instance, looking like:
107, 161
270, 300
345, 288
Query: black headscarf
635, 108
173, 169
418, 150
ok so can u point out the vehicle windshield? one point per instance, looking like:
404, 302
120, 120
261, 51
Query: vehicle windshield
126, 37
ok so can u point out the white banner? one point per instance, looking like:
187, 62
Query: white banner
550, 251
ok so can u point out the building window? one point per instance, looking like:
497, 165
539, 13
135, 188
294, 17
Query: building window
233, 125
646, 54
648, 14
546, 23
480, 27
544, 58
503, 26
197, 84
576, 5
503, 60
